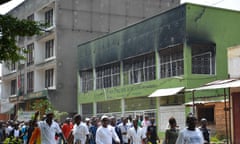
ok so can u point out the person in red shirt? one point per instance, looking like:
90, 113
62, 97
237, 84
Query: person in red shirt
67, 127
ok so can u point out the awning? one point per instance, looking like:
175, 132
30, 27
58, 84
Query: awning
202, 102
166, 92
219, 84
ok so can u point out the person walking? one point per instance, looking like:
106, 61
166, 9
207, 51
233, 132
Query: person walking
152, 135
35, 137
93, 130
136, 135
67, 127
49, 128
191, 134
116, 129
171, 133
124, 128
80, 130
105, 134
205, 131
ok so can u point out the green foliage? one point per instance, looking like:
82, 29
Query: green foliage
214, 139
12, 140
45, 106
10, 28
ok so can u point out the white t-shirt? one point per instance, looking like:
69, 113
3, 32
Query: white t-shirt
145, 124
48, 132
80, 132
105, 135
190, 137
136, 136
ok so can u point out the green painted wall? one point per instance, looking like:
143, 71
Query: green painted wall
203, 25
127, 91
215, 25
212, 25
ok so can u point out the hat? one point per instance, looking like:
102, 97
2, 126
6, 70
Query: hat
87, 119
203, 120
104, 117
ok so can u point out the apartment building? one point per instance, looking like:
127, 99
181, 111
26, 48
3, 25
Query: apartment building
181, 48
50, 69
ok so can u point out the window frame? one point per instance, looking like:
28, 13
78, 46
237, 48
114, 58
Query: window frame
30, 54
135, 70
30, 81
48, 17
106, 76
171, 62
49, 78
49, 48
13, 90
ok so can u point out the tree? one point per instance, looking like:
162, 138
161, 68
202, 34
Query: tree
44, 106
10, 28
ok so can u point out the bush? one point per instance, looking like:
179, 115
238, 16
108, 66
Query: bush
12, 140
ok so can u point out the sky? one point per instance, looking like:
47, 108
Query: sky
227, 4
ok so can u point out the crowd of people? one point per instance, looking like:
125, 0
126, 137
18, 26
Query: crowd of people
103, 130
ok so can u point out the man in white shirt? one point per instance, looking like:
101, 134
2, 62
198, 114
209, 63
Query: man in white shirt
80, 130
145, 123
105, 134
49, 128
191, 134
136, 135
124, 128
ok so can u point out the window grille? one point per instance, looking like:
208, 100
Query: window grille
86, 78
108, 76
139, 69
171, 62
203, 59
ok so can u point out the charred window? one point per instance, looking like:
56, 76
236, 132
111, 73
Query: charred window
86, 79
108, 76
171, 62
203, 59
139, 69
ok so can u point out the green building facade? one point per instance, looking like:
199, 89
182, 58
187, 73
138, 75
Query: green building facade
183, 47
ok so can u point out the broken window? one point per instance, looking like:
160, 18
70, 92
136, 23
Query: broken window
203, 59
108, 76
139, 69
86, 80
171, 62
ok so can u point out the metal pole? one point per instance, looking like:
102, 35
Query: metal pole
225, 109
193, 101
229, 112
